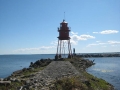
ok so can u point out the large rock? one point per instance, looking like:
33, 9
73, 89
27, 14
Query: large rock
5, 83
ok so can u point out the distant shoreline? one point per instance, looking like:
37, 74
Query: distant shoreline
90, 55
112, 53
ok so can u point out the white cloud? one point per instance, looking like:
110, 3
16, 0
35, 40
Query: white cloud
38, 49
98, 41
75, 38
114, 42
54, 42
96, 44
108, 32
74, 42
103, 44
73, 33
95, 32
113, 45
47, 47
89, 45
85, 37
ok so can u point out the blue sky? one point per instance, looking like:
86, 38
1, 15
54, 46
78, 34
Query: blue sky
30, 26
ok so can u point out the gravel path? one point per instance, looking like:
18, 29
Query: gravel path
55, 70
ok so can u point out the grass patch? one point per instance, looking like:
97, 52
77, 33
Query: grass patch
28, 72
72, 83
75, 83
96, 83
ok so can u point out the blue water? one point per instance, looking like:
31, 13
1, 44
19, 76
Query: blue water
11, 63
107, 68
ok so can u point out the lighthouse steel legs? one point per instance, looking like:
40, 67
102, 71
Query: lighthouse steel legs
61, 49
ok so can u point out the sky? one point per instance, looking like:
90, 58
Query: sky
30, 26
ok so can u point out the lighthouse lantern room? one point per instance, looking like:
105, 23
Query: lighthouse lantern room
62, 39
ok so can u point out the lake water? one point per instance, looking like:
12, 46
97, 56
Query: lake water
105, 68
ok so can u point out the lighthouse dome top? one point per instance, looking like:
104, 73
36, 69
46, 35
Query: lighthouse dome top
64, 21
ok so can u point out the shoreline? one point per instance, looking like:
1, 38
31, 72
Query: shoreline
90, 55
22, 78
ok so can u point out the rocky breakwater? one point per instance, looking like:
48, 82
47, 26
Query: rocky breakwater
48, 74
55, 70
18, 79
81, 63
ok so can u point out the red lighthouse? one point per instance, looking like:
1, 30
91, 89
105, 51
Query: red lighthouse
63, 37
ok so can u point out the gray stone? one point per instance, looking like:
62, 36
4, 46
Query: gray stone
56, 69
12, 79
27, 82
17, 80
5, 82
1, 79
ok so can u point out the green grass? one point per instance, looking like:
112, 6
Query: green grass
97, 83
75, 83
72, 83
28, 72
